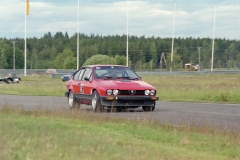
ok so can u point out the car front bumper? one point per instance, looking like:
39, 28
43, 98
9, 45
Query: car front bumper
128, 101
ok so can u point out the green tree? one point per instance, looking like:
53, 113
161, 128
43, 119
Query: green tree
231, 55
62, 57
100, 59
70, 63
120, 60
6, 55
176, 60
153, 53
3, 61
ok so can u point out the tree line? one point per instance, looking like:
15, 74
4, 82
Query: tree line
60, 51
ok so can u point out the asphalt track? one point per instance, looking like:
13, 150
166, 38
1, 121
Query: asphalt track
218, 116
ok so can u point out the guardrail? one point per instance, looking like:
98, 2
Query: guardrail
20, 72
56, 75
192, 72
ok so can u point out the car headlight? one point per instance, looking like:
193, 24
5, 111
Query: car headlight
152, 92
109, 92
115, 92
112, 92
147, 92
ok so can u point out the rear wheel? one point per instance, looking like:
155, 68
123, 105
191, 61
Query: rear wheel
148, 108
96, 103
6, 81
72, 103
119, 109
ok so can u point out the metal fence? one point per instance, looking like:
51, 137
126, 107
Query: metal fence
20, 72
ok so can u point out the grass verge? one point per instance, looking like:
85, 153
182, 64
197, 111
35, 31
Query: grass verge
66, 135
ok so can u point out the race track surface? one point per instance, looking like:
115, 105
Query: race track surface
219, 116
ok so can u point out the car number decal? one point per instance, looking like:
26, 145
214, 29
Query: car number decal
98, 67
82, 88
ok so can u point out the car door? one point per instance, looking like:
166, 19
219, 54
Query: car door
76, 83
86, 84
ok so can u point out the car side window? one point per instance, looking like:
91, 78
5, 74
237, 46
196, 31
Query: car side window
81, 74
77, 75
87, 73
90, 78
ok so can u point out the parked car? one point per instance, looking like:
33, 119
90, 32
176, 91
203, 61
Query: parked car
11, 78
51, 71
66, 77
109, 86
4, 80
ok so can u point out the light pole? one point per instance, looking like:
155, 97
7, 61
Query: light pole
78, 38
127, 38
171, 64
213, 39
199, 57
14, 53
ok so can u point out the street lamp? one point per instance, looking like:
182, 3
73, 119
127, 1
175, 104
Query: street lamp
171, 64
78, 38
199, 58
127, 37
14, 53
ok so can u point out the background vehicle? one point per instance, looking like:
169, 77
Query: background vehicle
191, 67
4, 80
67, 76
51, 71
111, 86
11, 78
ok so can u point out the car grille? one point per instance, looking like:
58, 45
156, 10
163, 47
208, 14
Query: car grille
131, 102
131, 92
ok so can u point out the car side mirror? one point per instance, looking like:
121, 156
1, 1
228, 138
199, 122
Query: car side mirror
86, 79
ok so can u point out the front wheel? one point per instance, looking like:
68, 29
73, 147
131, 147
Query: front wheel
96, 103
72, 103
148, 108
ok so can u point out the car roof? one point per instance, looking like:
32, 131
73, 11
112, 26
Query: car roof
104, 65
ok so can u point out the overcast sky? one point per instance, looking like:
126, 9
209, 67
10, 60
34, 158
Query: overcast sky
193, 18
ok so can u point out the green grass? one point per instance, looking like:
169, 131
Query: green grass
216, 88
35, 85
71, 135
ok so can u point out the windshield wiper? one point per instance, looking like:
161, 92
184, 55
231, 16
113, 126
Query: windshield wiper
131, 78
105, 77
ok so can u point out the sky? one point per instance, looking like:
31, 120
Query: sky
195, 18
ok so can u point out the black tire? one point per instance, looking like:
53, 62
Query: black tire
119, 109
6, 81
96, 102
148, 108
111, 109
72, 103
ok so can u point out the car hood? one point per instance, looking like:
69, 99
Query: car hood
125, 84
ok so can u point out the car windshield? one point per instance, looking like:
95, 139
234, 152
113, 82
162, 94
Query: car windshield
114, 72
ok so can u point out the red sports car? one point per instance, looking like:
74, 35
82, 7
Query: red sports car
110, 86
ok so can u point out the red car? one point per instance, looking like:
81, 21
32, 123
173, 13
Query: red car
51, 71
110, 86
